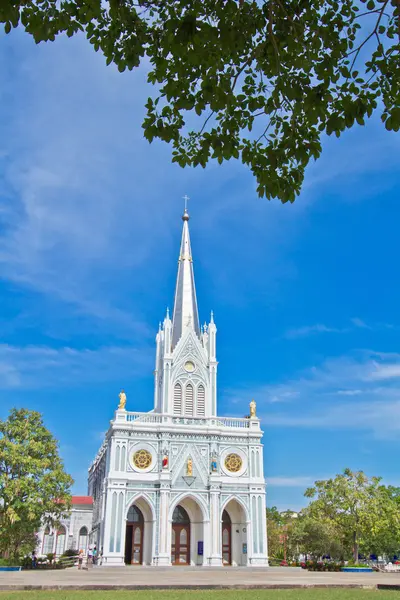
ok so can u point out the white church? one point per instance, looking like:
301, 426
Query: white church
180, 485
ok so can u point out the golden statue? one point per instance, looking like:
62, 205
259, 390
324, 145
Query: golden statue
253, 406
189, 467
122, 400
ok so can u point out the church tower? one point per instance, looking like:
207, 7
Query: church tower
186, 366
181, 485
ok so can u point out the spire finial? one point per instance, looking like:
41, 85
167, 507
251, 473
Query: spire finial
167, 312
185, 216
212, 317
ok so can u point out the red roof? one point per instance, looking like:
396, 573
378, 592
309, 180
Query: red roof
82, 500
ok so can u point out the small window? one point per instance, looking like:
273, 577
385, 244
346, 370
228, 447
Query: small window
189, 400
61, 538
83, 539
201, 401
48, 538
177, 399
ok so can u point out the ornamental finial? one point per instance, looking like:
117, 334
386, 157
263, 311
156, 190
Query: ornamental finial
185, 216
212, 317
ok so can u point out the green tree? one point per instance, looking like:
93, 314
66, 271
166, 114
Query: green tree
316, 537
259, 81
363, 512
33, 484
274, 531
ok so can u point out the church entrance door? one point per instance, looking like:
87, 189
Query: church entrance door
180, 543
134, 537
226, 539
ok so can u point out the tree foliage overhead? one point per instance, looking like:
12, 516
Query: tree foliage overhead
33, 484
256, 80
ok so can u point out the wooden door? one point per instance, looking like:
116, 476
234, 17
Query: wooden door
134, 537
226, 539
180, 547
227, 544
137, 544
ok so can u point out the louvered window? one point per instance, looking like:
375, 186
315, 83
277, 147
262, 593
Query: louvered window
201, 401
189, 400
177, 399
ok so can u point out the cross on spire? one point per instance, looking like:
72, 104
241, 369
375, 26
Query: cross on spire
186, 198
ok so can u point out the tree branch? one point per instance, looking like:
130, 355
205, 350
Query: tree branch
358, 50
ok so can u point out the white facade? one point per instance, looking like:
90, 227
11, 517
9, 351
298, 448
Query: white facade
179, 484
72, 533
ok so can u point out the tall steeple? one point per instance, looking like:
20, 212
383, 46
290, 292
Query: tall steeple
186, 313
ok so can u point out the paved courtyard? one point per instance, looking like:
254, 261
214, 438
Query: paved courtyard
188, 577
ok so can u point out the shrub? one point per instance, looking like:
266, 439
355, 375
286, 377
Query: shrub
70, 552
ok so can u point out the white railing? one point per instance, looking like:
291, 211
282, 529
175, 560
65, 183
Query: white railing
140, 418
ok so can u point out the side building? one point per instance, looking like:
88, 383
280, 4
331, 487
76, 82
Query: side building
180, 485
73, 531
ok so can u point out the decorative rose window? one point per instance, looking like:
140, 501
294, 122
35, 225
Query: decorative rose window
142, 459
233, 463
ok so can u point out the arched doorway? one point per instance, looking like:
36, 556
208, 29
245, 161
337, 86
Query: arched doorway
180, 543
234, 534
226, 539
134, 536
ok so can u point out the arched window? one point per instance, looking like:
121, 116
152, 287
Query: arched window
201, 401
180, 516
83, 539
47, 546
117, 458
135, 515
189, 400
177, 399
61, 537
226, 520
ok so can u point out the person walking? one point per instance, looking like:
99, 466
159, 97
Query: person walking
80, 559
95, 555
90, 557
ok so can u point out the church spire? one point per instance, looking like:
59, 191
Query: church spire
185, 305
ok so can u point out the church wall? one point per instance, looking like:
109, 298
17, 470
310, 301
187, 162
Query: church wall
161, 488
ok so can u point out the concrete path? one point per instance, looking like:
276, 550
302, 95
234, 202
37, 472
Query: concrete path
190, 577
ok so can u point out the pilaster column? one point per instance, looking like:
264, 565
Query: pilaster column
215, 526
164, 534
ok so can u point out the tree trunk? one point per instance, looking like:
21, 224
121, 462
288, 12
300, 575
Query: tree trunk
355, 547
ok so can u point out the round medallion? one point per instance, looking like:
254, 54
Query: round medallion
189, 366
142, 459
233, 463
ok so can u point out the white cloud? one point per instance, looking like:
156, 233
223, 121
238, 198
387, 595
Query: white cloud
40, 366
360, 323
296, 481
78, 207
385, 371
311, 329
321, 328
341, 393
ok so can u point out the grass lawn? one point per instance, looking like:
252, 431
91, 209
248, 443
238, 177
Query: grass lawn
294, 594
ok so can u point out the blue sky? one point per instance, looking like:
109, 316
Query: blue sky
305, 296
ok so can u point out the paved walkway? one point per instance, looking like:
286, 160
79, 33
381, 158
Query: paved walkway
189, 577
